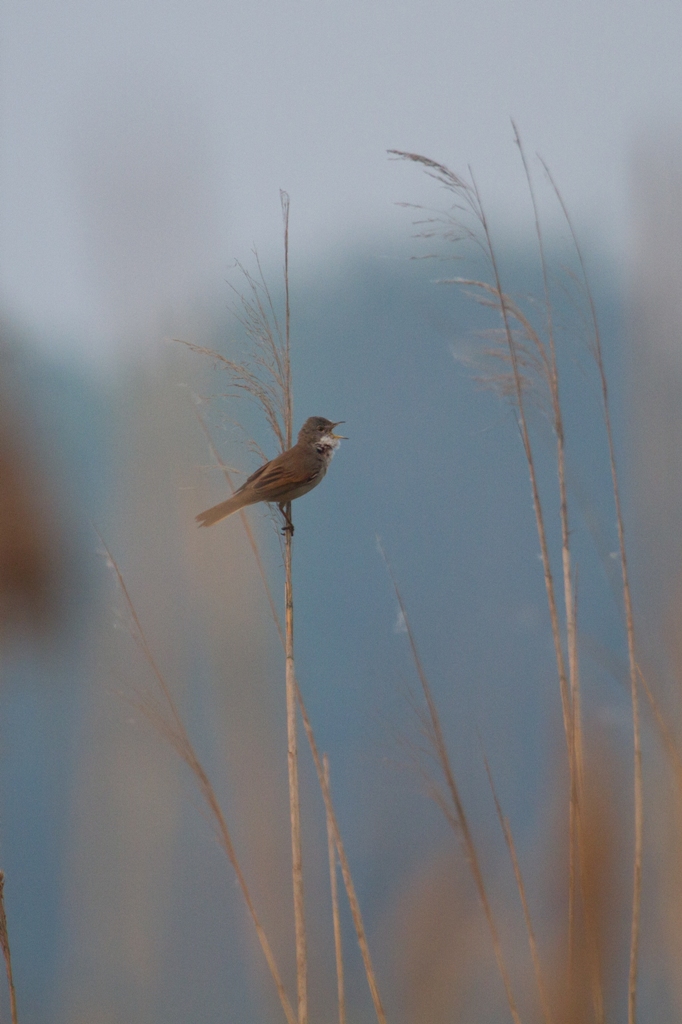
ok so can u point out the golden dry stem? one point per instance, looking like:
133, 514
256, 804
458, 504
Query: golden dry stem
336, 920
4, 943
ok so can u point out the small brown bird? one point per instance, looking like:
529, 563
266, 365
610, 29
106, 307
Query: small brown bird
288, 476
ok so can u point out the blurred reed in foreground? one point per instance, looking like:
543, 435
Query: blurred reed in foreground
31, 564
30, 559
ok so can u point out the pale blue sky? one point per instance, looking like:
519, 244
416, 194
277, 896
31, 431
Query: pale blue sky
144, 141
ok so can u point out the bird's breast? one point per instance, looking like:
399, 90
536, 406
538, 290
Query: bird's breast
325, 449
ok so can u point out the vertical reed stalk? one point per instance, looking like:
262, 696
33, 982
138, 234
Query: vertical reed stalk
288, 386
332, 823
535, 489
333, 883
267, 379
532, 942
629, 621
455, 813
290, 669
4, 942
542, 356
166, 718
471, 197
345, 867
553, 380
575, 739
568, 707
294, 795
664, 729
247, 528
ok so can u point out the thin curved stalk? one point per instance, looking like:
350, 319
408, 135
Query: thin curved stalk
667, 737
326, 793
290, 671
4, 943
532, 942
168, 722
576, 737
294, 792
455, 814
629, 622
333, 885
345, 867
535, 489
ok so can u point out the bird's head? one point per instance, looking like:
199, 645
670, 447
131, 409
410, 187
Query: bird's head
317, 427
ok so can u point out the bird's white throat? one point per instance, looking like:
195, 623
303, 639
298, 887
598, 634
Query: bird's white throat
326, 446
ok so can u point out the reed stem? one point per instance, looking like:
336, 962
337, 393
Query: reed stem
4, 942
333, 883
294, 794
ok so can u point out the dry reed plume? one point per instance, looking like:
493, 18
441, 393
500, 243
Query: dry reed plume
527, 370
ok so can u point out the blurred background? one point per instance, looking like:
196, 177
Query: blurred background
143, 147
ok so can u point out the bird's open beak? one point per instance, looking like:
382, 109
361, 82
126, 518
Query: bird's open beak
339, 437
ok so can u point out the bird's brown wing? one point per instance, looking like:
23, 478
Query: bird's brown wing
278, 478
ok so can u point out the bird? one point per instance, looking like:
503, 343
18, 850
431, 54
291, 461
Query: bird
288, 476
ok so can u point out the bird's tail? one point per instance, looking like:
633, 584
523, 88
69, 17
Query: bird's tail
221, 511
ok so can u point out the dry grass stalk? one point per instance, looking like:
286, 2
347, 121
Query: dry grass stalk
333, 883
326, 794
345, 867
596, 348
294, 796
4, 942
516, 384
533, 367
163, 714
275, 395
574, 1000
247, 527
30, 546
664, 729
454, 811
671, 839
575, 738
290, 671
437, 935
532, 942
533, 371
174, 731
264, 375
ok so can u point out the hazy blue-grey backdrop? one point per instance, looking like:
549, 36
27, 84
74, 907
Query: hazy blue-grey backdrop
143, 148
144, 144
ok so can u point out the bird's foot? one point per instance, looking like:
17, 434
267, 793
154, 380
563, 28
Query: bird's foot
288, 527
